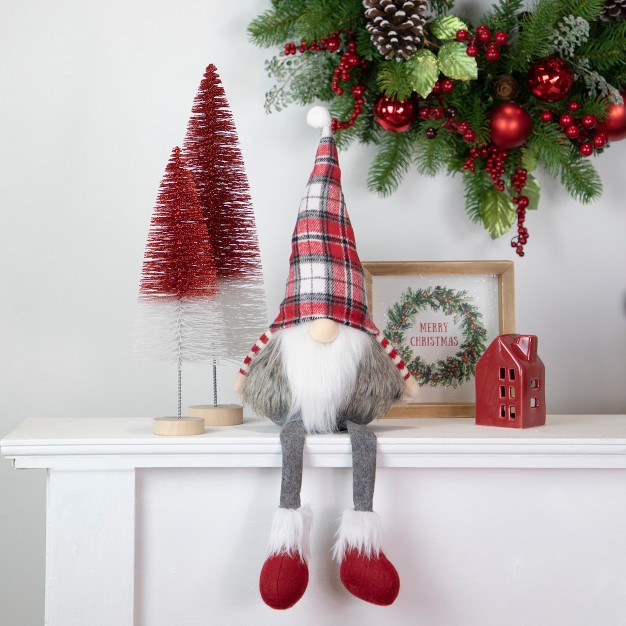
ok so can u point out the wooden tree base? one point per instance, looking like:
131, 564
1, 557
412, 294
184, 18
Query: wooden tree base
178, 426
220, 415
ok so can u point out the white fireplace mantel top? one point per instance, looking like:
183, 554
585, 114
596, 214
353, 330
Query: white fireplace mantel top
566, 441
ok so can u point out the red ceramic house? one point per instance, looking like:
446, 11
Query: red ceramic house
510, 383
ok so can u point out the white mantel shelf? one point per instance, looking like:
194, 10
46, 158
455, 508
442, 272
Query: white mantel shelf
487, 526
566, 441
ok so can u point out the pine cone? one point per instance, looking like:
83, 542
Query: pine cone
395, 26
505, 87
613, 10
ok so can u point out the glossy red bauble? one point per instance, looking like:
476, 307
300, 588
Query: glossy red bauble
615, 125
394, 115
510, 125
550, 79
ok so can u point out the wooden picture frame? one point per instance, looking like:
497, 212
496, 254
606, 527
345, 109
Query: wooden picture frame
450, 309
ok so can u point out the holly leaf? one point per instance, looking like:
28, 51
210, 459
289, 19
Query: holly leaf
424, 72
529, 159
497, 212
454, 62
532, 191
445, 27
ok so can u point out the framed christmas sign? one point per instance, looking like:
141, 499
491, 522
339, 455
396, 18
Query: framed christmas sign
441, 316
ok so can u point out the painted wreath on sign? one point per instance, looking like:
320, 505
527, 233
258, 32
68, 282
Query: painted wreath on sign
448, 371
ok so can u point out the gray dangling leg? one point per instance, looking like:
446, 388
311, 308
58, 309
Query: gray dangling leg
364, 445
292, 438
364, 569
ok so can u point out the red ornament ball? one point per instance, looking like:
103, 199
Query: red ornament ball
394, 115
550, 79
614, 126
510, 125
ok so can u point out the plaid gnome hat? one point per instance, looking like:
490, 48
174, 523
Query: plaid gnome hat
325, 274
326, 277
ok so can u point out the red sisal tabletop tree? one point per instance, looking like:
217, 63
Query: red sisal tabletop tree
212, 155
179, 319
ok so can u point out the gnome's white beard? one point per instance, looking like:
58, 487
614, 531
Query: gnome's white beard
321, 375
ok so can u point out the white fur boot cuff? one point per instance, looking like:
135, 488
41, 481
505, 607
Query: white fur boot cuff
291, 532
360, 531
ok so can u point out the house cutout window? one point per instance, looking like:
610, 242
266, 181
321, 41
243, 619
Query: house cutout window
511, 392
512, 412
502, 411
502, 373
502, 391
511, 374
534, 403
534, 383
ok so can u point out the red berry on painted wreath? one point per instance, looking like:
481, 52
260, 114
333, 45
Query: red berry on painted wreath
586, 149
572, 131
573, 105
461, 35
472, 51
546, 116
566, 119
447, 85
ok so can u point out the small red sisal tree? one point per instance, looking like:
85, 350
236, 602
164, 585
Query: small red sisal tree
212, 155
178, 317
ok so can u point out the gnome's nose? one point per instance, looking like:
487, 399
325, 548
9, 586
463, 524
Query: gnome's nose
324, 330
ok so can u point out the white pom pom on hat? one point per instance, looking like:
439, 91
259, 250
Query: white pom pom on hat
318, 117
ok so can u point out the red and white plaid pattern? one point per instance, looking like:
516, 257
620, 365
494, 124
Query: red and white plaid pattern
325, 273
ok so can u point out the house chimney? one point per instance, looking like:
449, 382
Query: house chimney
526, 346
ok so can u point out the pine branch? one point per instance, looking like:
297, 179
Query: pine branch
433, 156
535, 35
503, 15
587, 9
394, 80
556, 155
581, 179
276, 25
476, 186
605, 47
392, 162
320, 18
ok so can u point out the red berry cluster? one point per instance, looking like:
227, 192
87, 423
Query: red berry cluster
483, 38
582, 130
436, 109
519, 182
330, 43
349, 60
494, 162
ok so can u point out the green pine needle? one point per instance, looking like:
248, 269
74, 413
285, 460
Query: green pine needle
392, 163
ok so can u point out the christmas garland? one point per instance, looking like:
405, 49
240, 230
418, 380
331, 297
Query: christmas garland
436, 93
450, 371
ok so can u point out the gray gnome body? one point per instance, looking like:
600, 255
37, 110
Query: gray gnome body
377, 385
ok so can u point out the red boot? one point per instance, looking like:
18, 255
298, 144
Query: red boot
283, 580
365, 571
285, 574
373, 579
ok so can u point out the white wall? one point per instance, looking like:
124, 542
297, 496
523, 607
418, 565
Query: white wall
94, 97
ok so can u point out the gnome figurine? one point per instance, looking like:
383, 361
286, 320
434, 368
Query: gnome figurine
324, 367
